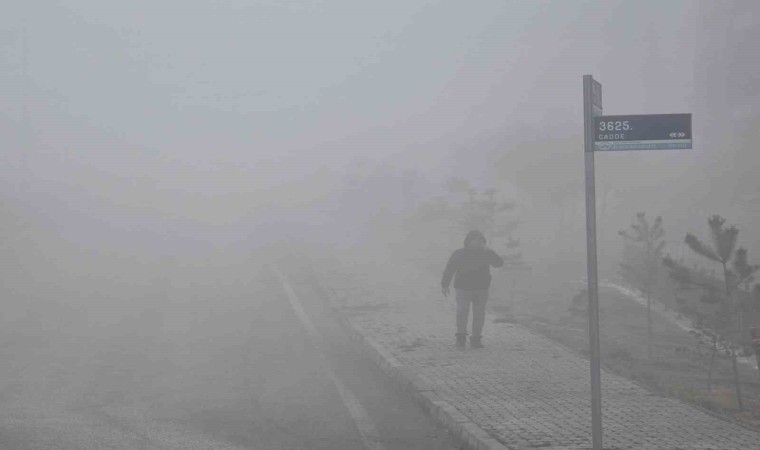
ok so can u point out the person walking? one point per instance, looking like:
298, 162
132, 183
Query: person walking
470, 266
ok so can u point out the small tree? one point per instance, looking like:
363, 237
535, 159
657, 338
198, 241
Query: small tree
648, 238
483, 211
711, 324
743, 275
723, 251
457, 186
487, 212
494, 218
755, 300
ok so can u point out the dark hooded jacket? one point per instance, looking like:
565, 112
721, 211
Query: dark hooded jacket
470, 267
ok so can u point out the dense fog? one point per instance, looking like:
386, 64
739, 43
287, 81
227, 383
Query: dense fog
153, 150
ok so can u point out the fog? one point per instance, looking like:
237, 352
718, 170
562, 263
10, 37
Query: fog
152, 150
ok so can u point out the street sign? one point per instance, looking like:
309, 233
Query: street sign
647, 132
642, 132
596, 98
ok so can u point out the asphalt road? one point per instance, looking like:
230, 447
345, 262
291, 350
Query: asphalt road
220, 360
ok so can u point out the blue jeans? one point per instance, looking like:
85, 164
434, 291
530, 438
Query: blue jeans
478, 298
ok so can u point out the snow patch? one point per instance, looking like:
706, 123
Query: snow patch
671, 316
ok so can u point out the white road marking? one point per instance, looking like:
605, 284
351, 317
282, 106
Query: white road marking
367, 430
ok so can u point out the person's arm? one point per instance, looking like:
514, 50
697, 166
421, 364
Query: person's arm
494, 259
448, 272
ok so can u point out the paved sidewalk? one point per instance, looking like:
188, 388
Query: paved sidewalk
524, 390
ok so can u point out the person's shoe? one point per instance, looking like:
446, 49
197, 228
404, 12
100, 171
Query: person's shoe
475, 342
461, 340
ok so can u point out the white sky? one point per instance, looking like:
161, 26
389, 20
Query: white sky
189, 109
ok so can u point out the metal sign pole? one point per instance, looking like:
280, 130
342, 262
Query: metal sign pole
593, 285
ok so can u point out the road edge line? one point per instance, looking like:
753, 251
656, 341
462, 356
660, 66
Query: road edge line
363, 422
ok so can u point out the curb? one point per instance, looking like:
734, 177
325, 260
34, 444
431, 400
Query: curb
465, 431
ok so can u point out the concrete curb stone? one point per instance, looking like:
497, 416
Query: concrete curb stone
465, 431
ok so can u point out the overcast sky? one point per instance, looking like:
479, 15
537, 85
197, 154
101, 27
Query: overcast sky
193, 110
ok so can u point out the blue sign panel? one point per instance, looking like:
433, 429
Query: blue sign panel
642, 132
